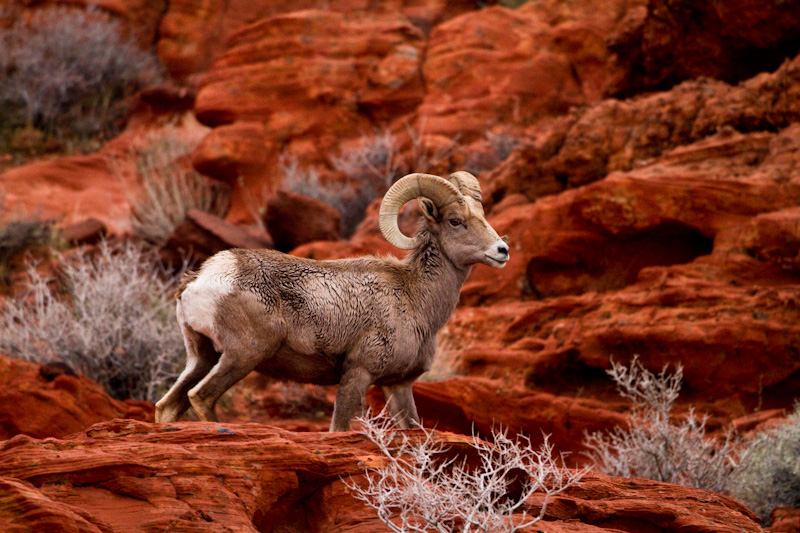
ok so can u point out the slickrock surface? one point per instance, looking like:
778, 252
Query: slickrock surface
126, 476
52, 401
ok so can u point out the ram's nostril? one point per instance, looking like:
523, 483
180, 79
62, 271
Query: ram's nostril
503, 249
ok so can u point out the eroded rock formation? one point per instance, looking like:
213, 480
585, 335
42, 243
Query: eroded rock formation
132, 476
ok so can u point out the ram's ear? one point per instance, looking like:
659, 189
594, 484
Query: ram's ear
429, 209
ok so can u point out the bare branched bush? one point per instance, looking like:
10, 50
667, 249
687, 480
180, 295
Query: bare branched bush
67, 71
494, 148
427, 157
768, 475
371, 168
376, 159
653, 446
169, 189
111, 318
420, 489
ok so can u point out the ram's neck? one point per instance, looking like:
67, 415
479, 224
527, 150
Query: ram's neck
437, 285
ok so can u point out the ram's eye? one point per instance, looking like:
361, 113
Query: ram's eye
455, 222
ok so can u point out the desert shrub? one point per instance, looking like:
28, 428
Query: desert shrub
371, 168
347, 198
67, 71
494, 148
376, 159
653, 445
111, 317
169, 189
18, 234
418, 488
768, 475
427, 156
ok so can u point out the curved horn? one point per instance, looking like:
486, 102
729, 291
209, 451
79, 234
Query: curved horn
441, 191
467, 184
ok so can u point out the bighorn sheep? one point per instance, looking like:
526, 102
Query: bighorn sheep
355, 322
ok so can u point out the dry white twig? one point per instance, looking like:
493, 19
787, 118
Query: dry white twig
418, 490
168, 190
653, 446
115, 322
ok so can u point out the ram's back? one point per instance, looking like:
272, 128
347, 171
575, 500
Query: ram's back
321, 307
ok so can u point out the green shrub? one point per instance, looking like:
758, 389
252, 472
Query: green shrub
768, 475
111, 318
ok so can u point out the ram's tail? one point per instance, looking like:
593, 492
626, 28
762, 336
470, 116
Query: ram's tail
188, 277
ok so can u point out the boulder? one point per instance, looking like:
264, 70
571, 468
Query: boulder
514, 66
193, 36
302, 73
614, 135
89, 231
202, 234
728, 40
53, 401
732, 340
294, 219
785, 520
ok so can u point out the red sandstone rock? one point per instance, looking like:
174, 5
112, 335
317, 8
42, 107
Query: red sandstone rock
70, 189
513, 66
469, 405
132, 476
367, 239
689, 202
232, 152
88, 231
731, 340
46, 401
192, 36
730, 40
785, 520
287, 405
773, 238
621, 135
240, 155
202, 234
293, 219
301, 73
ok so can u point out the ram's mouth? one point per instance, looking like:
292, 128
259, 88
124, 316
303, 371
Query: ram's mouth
495, 262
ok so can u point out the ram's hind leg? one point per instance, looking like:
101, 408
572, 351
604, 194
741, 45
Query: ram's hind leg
200, 359
245, 342
230, 369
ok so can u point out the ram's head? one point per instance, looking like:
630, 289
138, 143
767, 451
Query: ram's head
454, 218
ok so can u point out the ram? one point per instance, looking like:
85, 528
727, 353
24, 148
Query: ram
351, 322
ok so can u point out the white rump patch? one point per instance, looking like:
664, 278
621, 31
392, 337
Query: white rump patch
200, 298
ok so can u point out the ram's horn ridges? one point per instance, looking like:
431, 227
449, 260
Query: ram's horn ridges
438, 189
467, 184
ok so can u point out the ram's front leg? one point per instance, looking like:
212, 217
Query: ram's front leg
400, 403
350, 398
